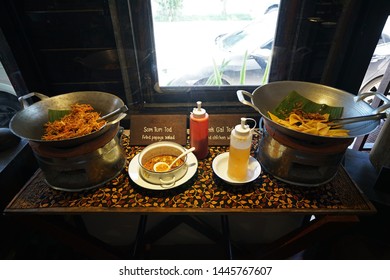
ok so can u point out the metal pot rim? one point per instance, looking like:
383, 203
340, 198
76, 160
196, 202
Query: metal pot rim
265, 98
29, 122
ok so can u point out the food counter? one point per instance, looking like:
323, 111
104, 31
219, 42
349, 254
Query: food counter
338, 202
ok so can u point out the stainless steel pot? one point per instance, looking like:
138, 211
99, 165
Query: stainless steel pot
267, 97
300, 158
29, 122
299, 162
84, 167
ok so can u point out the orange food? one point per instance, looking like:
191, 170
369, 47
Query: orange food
82, 120
315, 124
168, 159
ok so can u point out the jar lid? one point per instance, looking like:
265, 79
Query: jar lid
199, 112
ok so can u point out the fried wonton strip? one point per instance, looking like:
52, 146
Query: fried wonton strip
317, 126
294, 118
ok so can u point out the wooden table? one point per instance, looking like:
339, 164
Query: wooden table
335, 205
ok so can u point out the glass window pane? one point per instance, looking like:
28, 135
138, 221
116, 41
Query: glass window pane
228, 43
379, 61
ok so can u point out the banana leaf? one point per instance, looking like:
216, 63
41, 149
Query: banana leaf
296, 101
57, 114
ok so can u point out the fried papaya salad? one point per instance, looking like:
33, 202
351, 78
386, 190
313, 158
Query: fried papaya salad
81, 120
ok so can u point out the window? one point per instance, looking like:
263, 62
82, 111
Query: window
379, 61
9, 104
302, 37
227, 43
204, 50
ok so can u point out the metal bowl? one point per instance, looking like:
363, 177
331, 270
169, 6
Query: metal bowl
29, 122
267, 97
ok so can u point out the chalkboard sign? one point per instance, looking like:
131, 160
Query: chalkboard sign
220, 127
147, 129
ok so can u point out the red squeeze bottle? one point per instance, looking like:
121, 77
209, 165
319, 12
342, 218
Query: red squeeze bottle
199, 131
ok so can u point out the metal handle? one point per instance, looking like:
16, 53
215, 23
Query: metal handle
241, 98
381, 96
22, 99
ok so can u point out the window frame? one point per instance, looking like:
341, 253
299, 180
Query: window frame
156, 98
292, 35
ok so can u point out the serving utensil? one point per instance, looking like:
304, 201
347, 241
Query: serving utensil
118, 111
343, 121
163, 166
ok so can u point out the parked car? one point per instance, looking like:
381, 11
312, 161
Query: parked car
379, 61
9, 103
232, 50
378, 65
256, 39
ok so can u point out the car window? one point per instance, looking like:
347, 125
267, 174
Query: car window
256, 34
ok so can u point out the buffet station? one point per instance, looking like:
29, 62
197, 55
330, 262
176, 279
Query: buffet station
203, 164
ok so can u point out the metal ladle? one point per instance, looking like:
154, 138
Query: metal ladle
163, 166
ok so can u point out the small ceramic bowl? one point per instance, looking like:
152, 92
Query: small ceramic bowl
167, 178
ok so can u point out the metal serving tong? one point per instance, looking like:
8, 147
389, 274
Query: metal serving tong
118, 111
343, 121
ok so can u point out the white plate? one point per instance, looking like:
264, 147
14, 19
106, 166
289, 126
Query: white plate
220, 166
136, 177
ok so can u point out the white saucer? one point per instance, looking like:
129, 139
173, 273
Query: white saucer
220, 166
192, 163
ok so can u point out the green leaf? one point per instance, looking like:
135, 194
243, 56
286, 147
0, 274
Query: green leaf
266, 72
216, 78
217, 74
243, 69
296, 101
57, 114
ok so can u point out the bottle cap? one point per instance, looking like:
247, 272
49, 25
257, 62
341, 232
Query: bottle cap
243, 129
199, 112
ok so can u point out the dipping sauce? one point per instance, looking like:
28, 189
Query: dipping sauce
168, 159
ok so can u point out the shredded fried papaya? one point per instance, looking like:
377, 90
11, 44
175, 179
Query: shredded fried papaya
82, 120
309, 123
